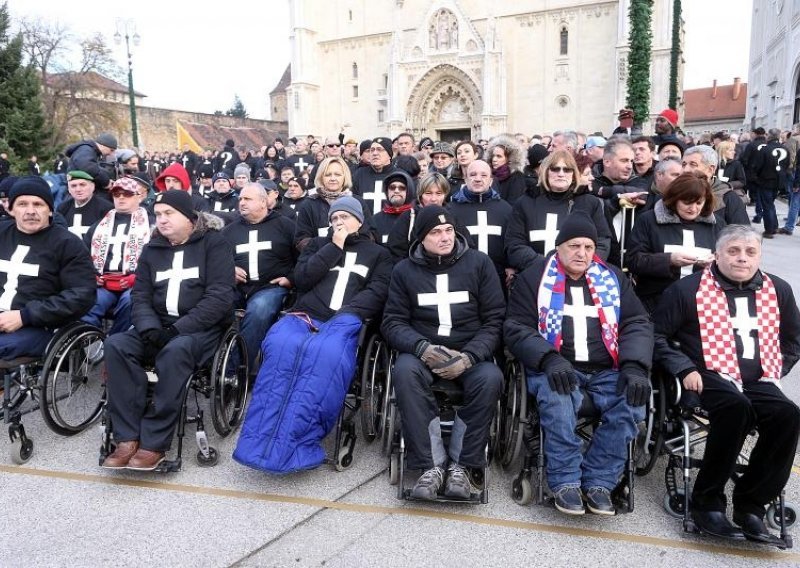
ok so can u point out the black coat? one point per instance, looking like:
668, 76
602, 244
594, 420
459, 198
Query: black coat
676, 320
476, 319
729, 206
489, 234
401, 237
63, 287
276, 232
222, 201
530, 214
312, 219
521, 328
732, 173
318, 270
91, 212
205, 297
513, 187
769, 164
86, 156
654, 230
368, 185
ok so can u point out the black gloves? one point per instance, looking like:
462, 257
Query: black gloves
637, 385
560, 374
155, 340
166, 335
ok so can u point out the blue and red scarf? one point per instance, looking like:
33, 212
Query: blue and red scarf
605, 291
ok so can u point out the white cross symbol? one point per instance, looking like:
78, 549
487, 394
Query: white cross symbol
77, 228
688, 247
323, 231
721, 175
116, 241
350, 266
301, 165
384, 239
252, 247
443, 299
14, 268
580, 312
185, 160
483, 229
176, 275
744, 323
548, 234
376, 196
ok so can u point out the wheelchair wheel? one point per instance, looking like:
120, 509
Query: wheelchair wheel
513, 415
673, 504
71, 386
394, 469
229, 374
650, 442
210, 461
773, 517
374, 367
522, 491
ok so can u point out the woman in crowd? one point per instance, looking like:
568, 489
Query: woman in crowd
505, 156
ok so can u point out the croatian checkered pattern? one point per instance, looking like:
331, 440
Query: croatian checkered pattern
716, 330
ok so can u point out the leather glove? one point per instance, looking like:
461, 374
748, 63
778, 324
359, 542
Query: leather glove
637, 386
165, 335
453, 368
151, 336
433, 355
560, 374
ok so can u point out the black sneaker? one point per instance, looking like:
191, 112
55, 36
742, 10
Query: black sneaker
428, 484
458, 485
568, 500
598, 501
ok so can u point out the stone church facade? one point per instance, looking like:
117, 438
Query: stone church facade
452, 69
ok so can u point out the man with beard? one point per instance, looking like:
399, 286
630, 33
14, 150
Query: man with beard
666, 122
368, 182
263, 240
399, 189
444, 316
182, 301
83, 208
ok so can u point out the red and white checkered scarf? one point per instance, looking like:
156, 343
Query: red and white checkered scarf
138, 236
716, 330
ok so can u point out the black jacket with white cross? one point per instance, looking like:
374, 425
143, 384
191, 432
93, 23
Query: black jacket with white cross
330, 280
463, 287
189, 286
47, 275
265, 250
521, 328
312, 219
90, 212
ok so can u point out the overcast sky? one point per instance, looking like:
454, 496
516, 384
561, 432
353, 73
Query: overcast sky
191, 58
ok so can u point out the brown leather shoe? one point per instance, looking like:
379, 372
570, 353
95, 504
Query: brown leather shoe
145, 460
121, 455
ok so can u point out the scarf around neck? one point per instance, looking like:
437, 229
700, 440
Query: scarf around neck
138, 236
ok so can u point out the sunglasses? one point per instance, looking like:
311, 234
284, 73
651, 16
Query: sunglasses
560, 169
331, 145
122, 192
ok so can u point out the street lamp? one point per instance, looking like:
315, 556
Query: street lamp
127, 29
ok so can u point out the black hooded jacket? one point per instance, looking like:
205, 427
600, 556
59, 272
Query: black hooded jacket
86, 156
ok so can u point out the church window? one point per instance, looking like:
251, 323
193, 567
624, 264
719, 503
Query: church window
355, 91
355, 70
380, 115
297, 101
564, 40
796, 118
350, 15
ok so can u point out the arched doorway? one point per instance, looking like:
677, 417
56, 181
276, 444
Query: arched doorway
445, 104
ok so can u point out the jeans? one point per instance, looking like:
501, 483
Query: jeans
605, 458
119, 302
794, 209
262, 311
766, 196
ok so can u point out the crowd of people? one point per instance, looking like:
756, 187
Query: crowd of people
587, 257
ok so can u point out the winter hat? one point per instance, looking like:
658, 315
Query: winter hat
672, 141
577, 224
5, 185
595, 141
107, 140
364, 146
443, 148
127, 185
536, 153
143, 179
430, 217
229, 142
242, 170
268, 184
79, 174
220, 175
350, 205
179, 200
30, 185
408, 164
670, 115
426, 142
385, 143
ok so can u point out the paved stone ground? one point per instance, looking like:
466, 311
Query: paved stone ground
60, 509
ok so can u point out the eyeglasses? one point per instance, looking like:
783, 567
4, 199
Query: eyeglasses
560, 169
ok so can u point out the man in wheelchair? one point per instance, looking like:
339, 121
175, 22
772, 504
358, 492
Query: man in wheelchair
738, 330
574, 321
46, 275
182, 299
444, 315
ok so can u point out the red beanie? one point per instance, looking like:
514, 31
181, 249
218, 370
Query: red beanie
670, 115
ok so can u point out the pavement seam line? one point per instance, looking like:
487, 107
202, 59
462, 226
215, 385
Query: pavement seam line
298, 524
407, 511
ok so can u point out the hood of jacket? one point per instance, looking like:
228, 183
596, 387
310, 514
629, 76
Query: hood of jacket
419, 255
71, 148
175, 170
402, 175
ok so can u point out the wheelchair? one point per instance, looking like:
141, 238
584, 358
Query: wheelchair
65, 383
683, 435
520, 438
224, 382
449, 397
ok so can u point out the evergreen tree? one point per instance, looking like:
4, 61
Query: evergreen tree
641, 39
237, 109
675, 54
22, 124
